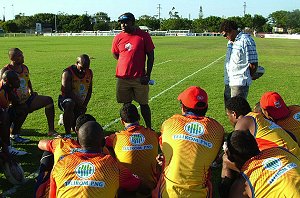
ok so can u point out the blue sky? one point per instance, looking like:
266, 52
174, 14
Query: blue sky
186, 9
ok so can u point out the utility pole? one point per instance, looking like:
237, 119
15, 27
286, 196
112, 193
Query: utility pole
158, 10
12, 9
245, 8
200, 13
3, 13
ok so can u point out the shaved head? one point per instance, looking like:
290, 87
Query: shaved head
91, 135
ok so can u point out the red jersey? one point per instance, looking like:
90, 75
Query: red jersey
90, 175
137, 149
274, 172
80, 86
190, 144
292, 122
132, 49
23, 92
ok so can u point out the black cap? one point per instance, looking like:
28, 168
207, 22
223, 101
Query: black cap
126, 17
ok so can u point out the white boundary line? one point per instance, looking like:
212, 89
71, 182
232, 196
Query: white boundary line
174, 85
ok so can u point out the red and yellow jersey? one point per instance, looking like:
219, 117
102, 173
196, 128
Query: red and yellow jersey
64, 146
268, 135
292, 122
61, 147
275, 172
80, 86
90, 175
137, 149
4, 100
23, 92
190, 144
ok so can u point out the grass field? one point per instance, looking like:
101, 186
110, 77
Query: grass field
179, 62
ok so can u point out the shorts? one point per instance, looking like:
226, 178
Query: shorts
128, 90
62, 101
29, 100
232, 91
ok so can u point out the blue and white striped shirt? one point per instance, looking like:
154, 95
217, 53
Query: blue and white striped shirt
239, 54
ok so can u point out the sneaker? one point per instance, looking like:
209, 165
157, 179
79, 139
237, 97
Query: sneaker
14, 151
18, 139
61, 120
68, 136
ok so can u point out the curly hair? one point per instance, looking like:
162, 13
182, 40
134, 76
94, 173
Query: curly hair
239, 105
228, 25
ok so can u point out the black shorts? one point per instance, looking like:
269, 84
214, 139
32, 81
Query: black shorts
62, 101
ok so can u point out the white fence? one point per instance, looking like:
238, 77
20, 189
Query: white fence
284, 36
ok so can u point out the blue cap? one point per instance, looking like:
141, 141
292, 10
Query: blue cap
127, 17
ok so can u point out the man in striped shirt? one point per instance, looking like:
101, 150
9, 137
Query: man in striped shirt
241, 61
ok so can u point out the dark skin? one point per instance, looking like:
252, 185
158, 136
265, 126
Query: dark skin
80, 67
16, 61
128, 26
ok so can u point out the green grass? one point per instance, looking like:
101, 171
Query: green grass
175, 59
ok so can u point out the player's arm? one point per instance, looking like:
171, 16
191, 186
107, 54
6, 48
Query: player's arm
253, 68
52, 192
150, 62
240, 189
46, 145
2, 71
246, 123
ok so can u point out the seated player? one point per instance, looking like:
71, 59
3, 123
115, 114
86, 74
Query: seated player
267, 133
89, 172
27, 95
136, 147
76, 91
288, 117
10, 110
190, 143
273, 172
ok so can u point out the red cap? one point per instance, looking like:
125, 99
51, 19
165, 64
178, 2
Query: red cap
274, 104
191, 96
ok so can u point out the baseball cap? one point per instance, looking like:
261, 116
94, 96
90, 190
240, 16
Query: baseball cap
192, 96
126, 17
274, 104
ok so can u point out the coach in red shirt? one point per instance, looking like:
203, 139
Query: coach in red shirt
130, 48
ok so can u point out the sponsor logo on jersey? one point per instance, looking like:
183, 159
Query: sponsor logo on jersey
137, 139
194, 128
281, 172
272, 164
193, 139
273, 125
297, 116
85, 170
90, 183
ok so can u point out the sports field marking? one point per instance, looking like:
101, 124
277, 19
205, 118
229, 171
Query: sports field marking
174, 85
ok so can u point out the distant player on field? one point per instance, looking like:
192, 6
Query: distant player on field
288, 117
274, 172
136, 147
89, 172
190, 143
131, 48
27, 95
76, 91
266, 132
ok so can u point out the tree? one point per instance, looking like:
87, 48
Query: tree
212, 23
176, 24
293, 20
10, 26
258, 22
151, 22
101, 21
279, 19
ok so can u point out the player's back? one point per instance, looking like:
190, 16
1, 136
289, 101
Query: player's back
268, 134
292, 122
275, 172
86, 175
190, 144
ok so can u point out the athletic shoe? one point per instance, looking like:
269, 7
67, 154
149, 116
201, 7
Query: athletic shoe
68, 136
61, 120
14, 151
18, 139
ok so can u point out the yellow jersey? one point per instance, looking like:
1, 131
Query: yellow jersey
275, 172
190, 144
268, 134
292, 122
